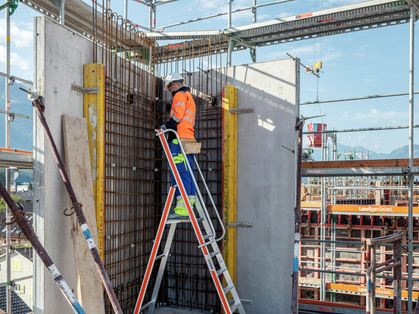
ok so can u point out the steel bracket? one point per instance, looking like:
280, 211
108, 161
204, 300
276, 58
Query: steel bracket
246, 301
241, 225
406, 171
244, 110
83, 90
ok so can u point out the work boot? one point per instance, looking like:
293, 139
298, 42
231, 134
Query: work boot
174, 216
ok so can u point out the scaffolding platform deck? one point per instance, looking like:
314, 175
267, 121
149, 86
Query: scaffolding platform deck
15, 158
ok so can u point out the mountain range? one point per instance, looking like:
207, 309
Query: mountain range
401, 152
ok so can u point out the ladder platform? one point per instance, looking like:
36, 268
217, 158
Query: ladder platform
176, 221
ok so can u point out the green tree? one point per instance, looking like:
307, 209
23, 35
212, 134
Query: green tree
2, 176
15, 199
30, 186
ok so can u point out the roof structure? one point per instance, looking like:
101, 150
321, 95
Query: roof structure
16, 232
18, 306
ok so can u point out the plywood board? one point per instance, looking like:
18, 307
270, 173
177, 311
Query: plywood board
77, 156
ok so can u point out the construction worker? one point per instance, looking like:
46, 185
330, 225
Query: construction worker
182, 120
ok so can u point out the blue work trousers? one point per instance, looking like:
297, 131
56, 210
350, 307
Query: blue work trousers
182, 165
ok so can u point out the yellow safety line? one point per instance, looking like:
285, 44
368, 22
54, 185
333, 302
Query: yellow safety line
94, 108
230, 178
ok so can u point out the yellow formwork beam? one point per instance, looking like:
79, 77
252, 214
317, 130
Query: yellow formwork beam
94, 113
230, 177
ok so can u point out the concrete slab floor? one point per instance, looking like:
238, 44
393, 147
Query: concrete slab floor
168, 310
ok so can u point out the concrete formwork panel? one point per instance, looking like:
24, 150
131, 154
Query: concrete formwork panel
59, 58
266, 176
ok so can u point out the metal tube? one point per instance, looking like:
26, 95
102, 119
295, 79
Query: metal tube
125, 10
362, 129
297, 218
254, 11
411, 177
62, 12
229, 51
355, 98
27, 230
7, 172
77, 209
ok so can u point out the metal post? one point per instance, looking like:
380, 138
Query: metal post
372, 282
368, 273
7, 172
297, 220
229, 40
321, 225
397, 278
62, 12
126, 10
254, 21
411, 177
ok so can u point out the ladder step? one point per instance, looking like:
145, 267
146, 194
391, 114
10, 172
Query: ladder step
222, 270
148, 304
160, 256
228, 288
208, 236
235, 306
214, 253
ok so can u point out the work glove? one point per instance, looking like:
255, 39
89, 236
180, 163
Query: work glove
162, 127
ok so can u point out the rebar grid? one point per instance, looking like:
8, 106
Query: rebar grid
136, 174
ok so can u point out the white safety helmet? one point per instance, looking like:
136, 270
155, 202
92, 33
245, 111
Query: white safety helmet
172, 77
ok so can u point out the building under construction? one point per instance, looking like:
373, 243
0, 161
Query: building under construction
311, 237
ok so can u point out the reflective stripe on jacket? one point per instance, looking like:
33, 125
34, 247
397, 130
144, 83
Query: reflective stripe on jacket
183, 111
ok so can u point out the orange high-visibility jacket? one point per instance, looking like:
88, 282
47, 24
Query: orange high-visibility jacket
183, 111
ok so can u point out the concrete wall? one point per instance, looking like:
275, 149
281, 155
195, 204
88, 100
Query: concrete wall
266, 182
59, 58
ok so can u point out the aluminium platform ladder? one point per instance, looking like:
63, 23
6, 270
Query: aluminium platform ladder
205, 233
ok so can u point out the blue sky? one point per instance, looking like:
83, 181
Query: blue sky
362, 63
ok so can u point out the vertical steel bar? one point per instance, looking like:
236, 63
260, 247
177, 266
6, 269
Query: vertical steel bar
62, 12
229, 51
372, 280
411, 177
368, 273
77, 209
29, 233
7, 172
125, 10
297, 219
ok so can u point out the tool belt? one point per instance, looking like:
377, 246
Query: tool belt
190, 146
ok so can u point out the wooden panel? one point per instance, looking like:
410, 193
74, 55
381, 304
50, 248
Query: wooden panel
77, 156
404, 163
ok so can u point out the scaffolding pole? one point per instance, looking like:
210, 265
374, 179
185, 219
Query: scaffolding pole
229, 51
411, 176
7, 172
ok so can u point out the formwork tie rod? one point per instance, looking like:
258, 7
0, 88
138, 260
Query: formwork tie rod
27, 230
39, 107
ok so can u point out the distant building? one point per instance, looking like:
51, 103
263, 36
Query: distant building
21, 267
27, 196
17, 236
21, 186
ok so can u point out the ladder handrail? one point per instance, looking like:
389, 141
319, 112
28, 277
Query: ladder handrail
198, 191
212, 201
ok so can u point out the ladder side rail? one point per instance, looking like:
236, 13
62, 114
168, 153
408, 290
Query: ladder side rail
153, 254
198, 233
192, 176
162, 267
221, 263
212, 201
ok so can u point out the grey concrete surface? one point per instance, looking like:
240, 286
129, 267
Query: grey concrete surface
60, 56
266, 176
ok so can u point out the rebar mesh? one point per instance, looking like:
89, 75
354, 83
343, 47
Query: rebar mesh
136, 174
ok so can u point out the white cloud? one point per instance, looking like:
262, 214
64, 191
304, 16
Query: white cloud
375, 114
15, 59
306, 53
362, 137
20, 33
